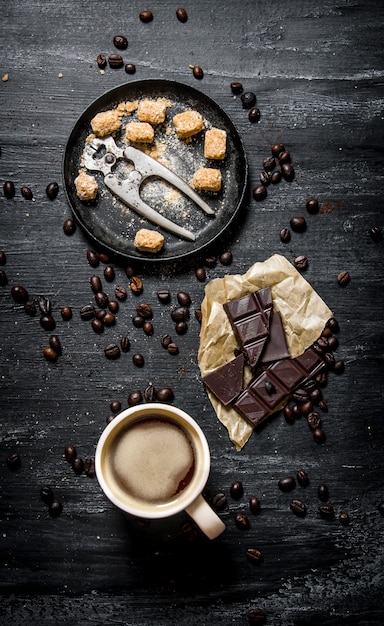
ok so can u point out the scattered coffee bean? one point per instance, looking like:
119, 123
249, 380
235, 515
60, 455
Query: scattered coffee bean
254, 556
285, 235
95, 283
327, 511
97, 325
219, 501
113, 306
69, 226
120, 42
47, 322
288, 414
270, 387
375, 233
138, 321
150, 393
181, 14
265, 178
298, 224
115, 61
173, 348
101, 61
146, 16
256, 616
276, 177
312, 206
319, 435
287, 483
115, 406
109, 319
87, 312
165, 394
144, 310
55, 508
120, 293
125, 344
344, 519
129, 271
13, 461
70, 453
287, 171
200, 274
284, 157
333, 324
165, 340
89, 466
135, 397
136, 284
323, 492
236, 87
181, 327
109, 273
148, 328
339, 366
9, 189
112, 351
184, 299
180, 313
343, 278
269, 163
3, 278
298, 508
19, 294
93, 258
236, 489
138, 360
130, 68
242, 521
323, 406
55, 343
302, 478
30, 308
259, 192
45, 305
197, 71
333, 343
198, 315
46, 494
52, 189
380, 508
248, 100
301, 262
164, 295
254, 505
26, 192
226, 257
109, 419
277, 149
314, 421
254, 114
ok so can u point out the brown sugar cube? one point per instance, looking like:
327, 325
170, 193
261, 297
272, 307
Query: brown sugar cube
188, 124
139, 132
105, 123
86, 186
207, 179
215, 144
152, 111
148, 240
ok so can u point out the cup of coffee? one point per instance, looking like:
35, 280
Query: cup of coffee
153, 461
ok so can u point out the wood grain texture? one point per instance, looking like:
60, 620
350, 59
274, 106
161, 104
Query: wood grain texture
317, 69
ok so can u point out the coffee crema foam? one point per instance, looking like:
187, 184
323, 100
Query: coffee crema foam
152, 460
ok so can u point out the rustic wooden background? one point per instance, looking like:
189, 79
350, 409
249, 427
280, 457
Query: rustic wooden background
317, 68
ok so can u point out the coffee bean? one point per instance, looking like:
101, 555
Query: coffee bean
333, 324
13, 461
316, 395
113, 306
138, 360
284, 156
296, 410
109, 419
322, 379
312, 206
148, 328
184, 299
287, 171
19, 294
300, 395
200, 274
120, 293
301, 262
95, 283
181, 327
47, 322
69, 227
46, 494
101, 61
55, 343
327, 511
276, 177
242, 521
298, 224
150, 393
55, 508
254, 556
112, 351
146, 16
307, 408
298, 508
288, 414
125, 344
165, 394
70, 453
26, 192
323, 492
97, 325
198, 72
173, 348
180, 313
254, 114
329, 360
287, 483
3, 278
248, 100
87, 312
130, 68
181, 14
236, 87
333, 343
164, 295
314, 421
302, 478
165, 340
120, 42
319, 435
144, 310
380, 508
93, 258
129, 271
115, 406
115, 61
236, 489
198, 315
323, 406
285, 235
136, 284
256, 616
135, 397
219, 501
45, 305
89, 466
343, 278
30, 308
226, 258
344, 519
9, 189
269, 387
265, 178
277, 149
375, 233
269, 163
52, 189
254, 505
109, 319
339, 366
138, 321
78, 465
259, 192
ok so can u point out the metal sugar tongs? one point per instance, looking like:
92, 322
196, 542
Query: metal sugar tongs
128, 189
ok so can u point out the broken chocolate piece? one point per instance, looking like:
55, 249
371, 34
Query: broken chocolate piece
276, 346
226, 382
249, 317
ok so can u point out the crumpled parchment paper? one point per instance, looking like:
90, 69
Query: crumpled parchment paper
304, 315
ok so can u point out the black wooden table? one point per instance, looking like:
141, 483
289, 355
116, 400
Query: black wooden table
317, 70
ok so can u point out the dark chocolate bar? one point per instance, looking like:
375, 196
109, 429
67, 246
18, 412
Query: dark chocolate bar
226, 382
249, 317
276, 346
269, 388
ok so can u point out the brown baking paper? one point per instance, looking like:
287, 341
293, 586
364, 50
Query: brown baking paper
304, 315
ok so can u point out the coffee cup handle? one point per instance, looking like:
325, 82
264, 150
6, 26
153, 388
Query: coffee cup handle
205, 518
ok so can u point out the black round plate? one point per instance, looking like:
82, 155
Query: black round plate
111, 224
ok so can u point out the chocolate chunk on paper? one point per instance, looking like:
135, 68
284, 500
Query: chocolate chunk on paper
226, 381
303, 315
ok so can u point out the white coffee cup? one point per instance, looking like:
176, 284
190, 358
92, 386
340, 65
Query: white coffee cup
153, 461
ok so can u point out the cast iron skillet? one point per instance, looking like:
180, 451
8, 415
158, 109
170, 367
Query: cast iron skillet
111, 225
